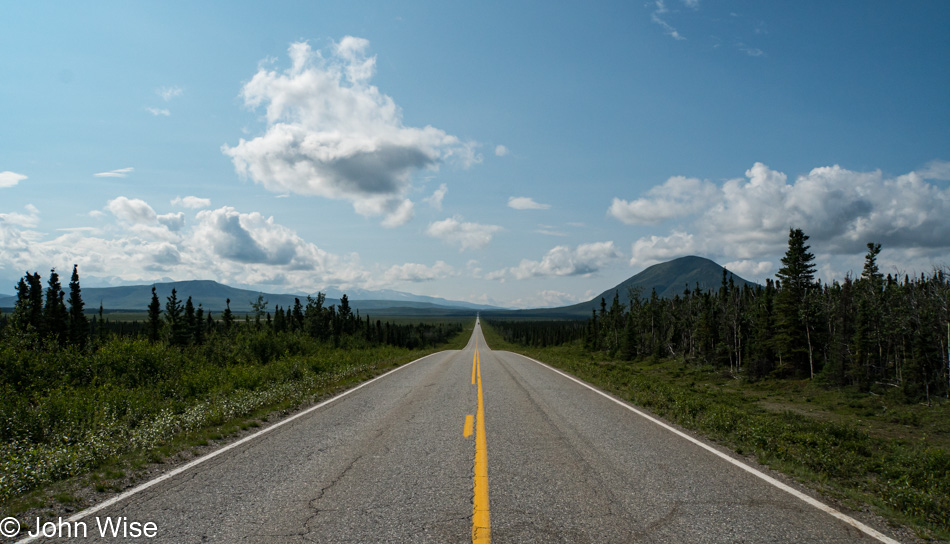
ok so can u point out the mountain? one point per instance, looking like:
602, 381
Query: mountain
667, 279
213, 296
389, 295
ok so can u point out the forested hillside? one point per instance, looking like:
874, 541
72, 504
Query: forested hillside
873, 329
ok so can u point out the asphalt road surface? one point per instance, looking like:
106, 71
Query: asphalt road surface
404, 459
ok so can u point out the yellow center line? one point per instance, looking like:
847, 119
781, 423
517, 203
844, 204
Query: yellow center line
474, 364
481, 525
469, 422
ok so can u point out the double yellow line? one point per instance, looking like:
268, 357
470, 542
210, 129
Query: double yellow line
481, 525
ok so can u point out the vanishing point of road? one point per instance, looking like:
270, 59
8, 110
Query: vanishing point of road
473, 446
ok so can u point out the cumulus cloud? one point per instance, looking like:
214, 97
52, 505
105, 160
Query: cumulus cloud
223, 244
9, 179
547, 298
501, 150
750, 268
165, 112
936, 170
251, 238
28, 220
172, 221
677, 197
526, 203
435, 200
120, 173
746, 220
414, 272
192, 202
331, 133
132, 210
585, 259
465, 235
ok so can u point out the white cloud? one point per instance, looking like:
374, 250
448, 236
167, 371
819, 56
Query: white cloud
251, 238
936, 170
526, 203
159, 111
501, 150
660, 9
172, 221
750, 268
454, 231
437, 197
414, 272
192, 202
746, 220
331, 133
224, 244
545, 299
585, 259
120, 173
653, 249
548, 230
396, 213
9, 179
677, 197
168, 93
27, 220
132, 210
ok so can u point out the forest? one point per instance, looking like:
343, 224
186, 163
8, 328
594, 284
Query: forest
872, 330
80, 391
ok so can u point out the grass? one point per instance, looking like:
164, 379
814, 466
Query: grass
863, 449
104, 437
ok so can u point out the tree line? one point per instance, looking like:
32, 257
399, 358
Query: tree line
872, 329
53, 320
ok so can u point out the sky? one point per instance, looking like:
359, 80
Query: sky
521, 154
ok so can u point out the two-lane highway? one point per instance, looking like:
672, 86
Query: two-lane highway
471, 445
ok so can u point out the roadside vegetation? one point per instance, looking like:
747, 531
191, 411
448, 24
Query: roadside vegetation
97, 399
843, 386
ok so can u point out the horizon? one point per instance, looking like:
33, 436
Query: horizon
517, 156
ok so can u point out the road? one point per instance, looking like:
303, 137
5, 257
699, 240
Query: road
403, 458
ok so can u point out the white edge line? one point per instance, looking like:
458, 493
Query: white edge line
142, 487
755, 472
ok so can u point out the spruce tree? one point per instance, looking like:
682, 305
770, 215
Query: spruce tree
154, 317
200, 325
78, 324
30, 303
793, 309
190, 323
175, 320
54, 311
227, 317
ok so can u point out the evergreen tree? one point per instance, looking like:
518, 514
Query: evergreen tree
78, 324
175, 320
867, 343
200, 325
793, 308
54, 311
28, 313
259, 307
191, 322
227, 317
154, 317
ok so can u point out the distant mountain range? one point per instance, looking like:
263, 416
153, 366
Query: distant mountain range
213, 297
667, 279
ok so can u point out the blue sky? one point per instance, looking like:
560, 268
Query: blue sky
521, 154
